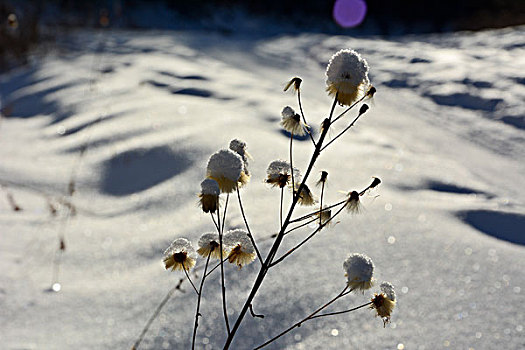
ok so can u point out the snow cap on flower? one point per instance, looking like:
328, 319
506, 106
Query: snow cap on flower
359, 270
279, 173
347, 76
180, 255
384, 302
242, 251
291, 122
225, 167
306, 197
209, 245
353, 205
239, 147
209, 196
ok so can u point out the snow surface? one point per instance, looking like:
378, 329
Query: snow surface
445, 134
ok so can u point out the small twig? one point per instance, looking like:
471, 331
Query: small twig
349, 108
247, 226
281, 209
189, 279
341, 312
155, 314
223, 289
342, 132
216, 266
291, 166
254, 314
199, 297
307, 238
304, 119
309, 317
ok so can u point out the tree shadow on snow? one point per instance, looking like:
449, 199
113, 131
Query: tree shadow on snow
139, 169
501, 225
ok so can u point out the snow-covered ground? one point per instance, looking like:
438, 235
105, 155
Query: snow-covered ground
446, 134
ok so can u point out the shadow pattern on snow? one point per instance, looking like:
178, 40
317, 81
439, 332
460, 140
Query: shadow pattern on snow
501, 225
439, 186
139, 169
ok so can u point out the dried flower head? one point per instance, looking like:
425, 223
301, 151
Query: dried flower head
209, 196
375, 182
306, 197
296, 82
371, 91
325, 215
353, 205
180, 255
384, 302
239, 147
240, 246
225, 167
291, 122
279, 173
359, 270
209, 245
323, 178
347, 76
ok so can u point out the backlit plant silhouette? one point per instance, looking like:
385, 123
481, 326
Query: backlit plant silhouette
228, 170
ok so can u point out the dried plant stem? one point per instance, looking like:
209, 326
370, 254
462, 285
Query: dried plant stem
307, 238
199, 297
273, 250
281, 210
321, 205
317, 212
291, 166
300, 226
302, 115
223, 288
309, 317
156, 314
189, 279
341, 312
342, 132
247, 226
349, 108
216, 266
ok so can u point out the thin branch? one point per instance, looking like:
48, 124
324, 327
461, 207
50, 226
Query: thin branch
197, 314
247, 226
302, 115
254, 314
306, 239
342, 312
298, 324
216, 266
349, 108
317, 211
223, 289
281, 209
155, 314
189, 279
291, 166
342, 132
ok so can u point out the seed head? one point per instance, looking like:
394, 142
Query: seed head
359, 271
347, 76
291, 122
240, 246
180, 255
209, 245
225, 167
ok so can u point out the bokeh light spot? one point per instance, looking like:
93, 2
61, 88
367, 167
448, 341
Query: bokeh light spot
349, 13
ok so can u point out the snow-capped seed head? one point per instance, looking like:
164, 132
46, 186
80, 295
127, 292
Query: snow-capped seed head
306, 197
347, 76
353, 205
291, 122
359, 271
240, 246
388, 289
209, 245
279, 173
239, 147
180, 255
225, 167
384, 303
209, 196
296, 82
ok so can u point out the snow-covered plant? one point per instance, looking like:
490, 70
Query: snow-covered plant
227, 171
